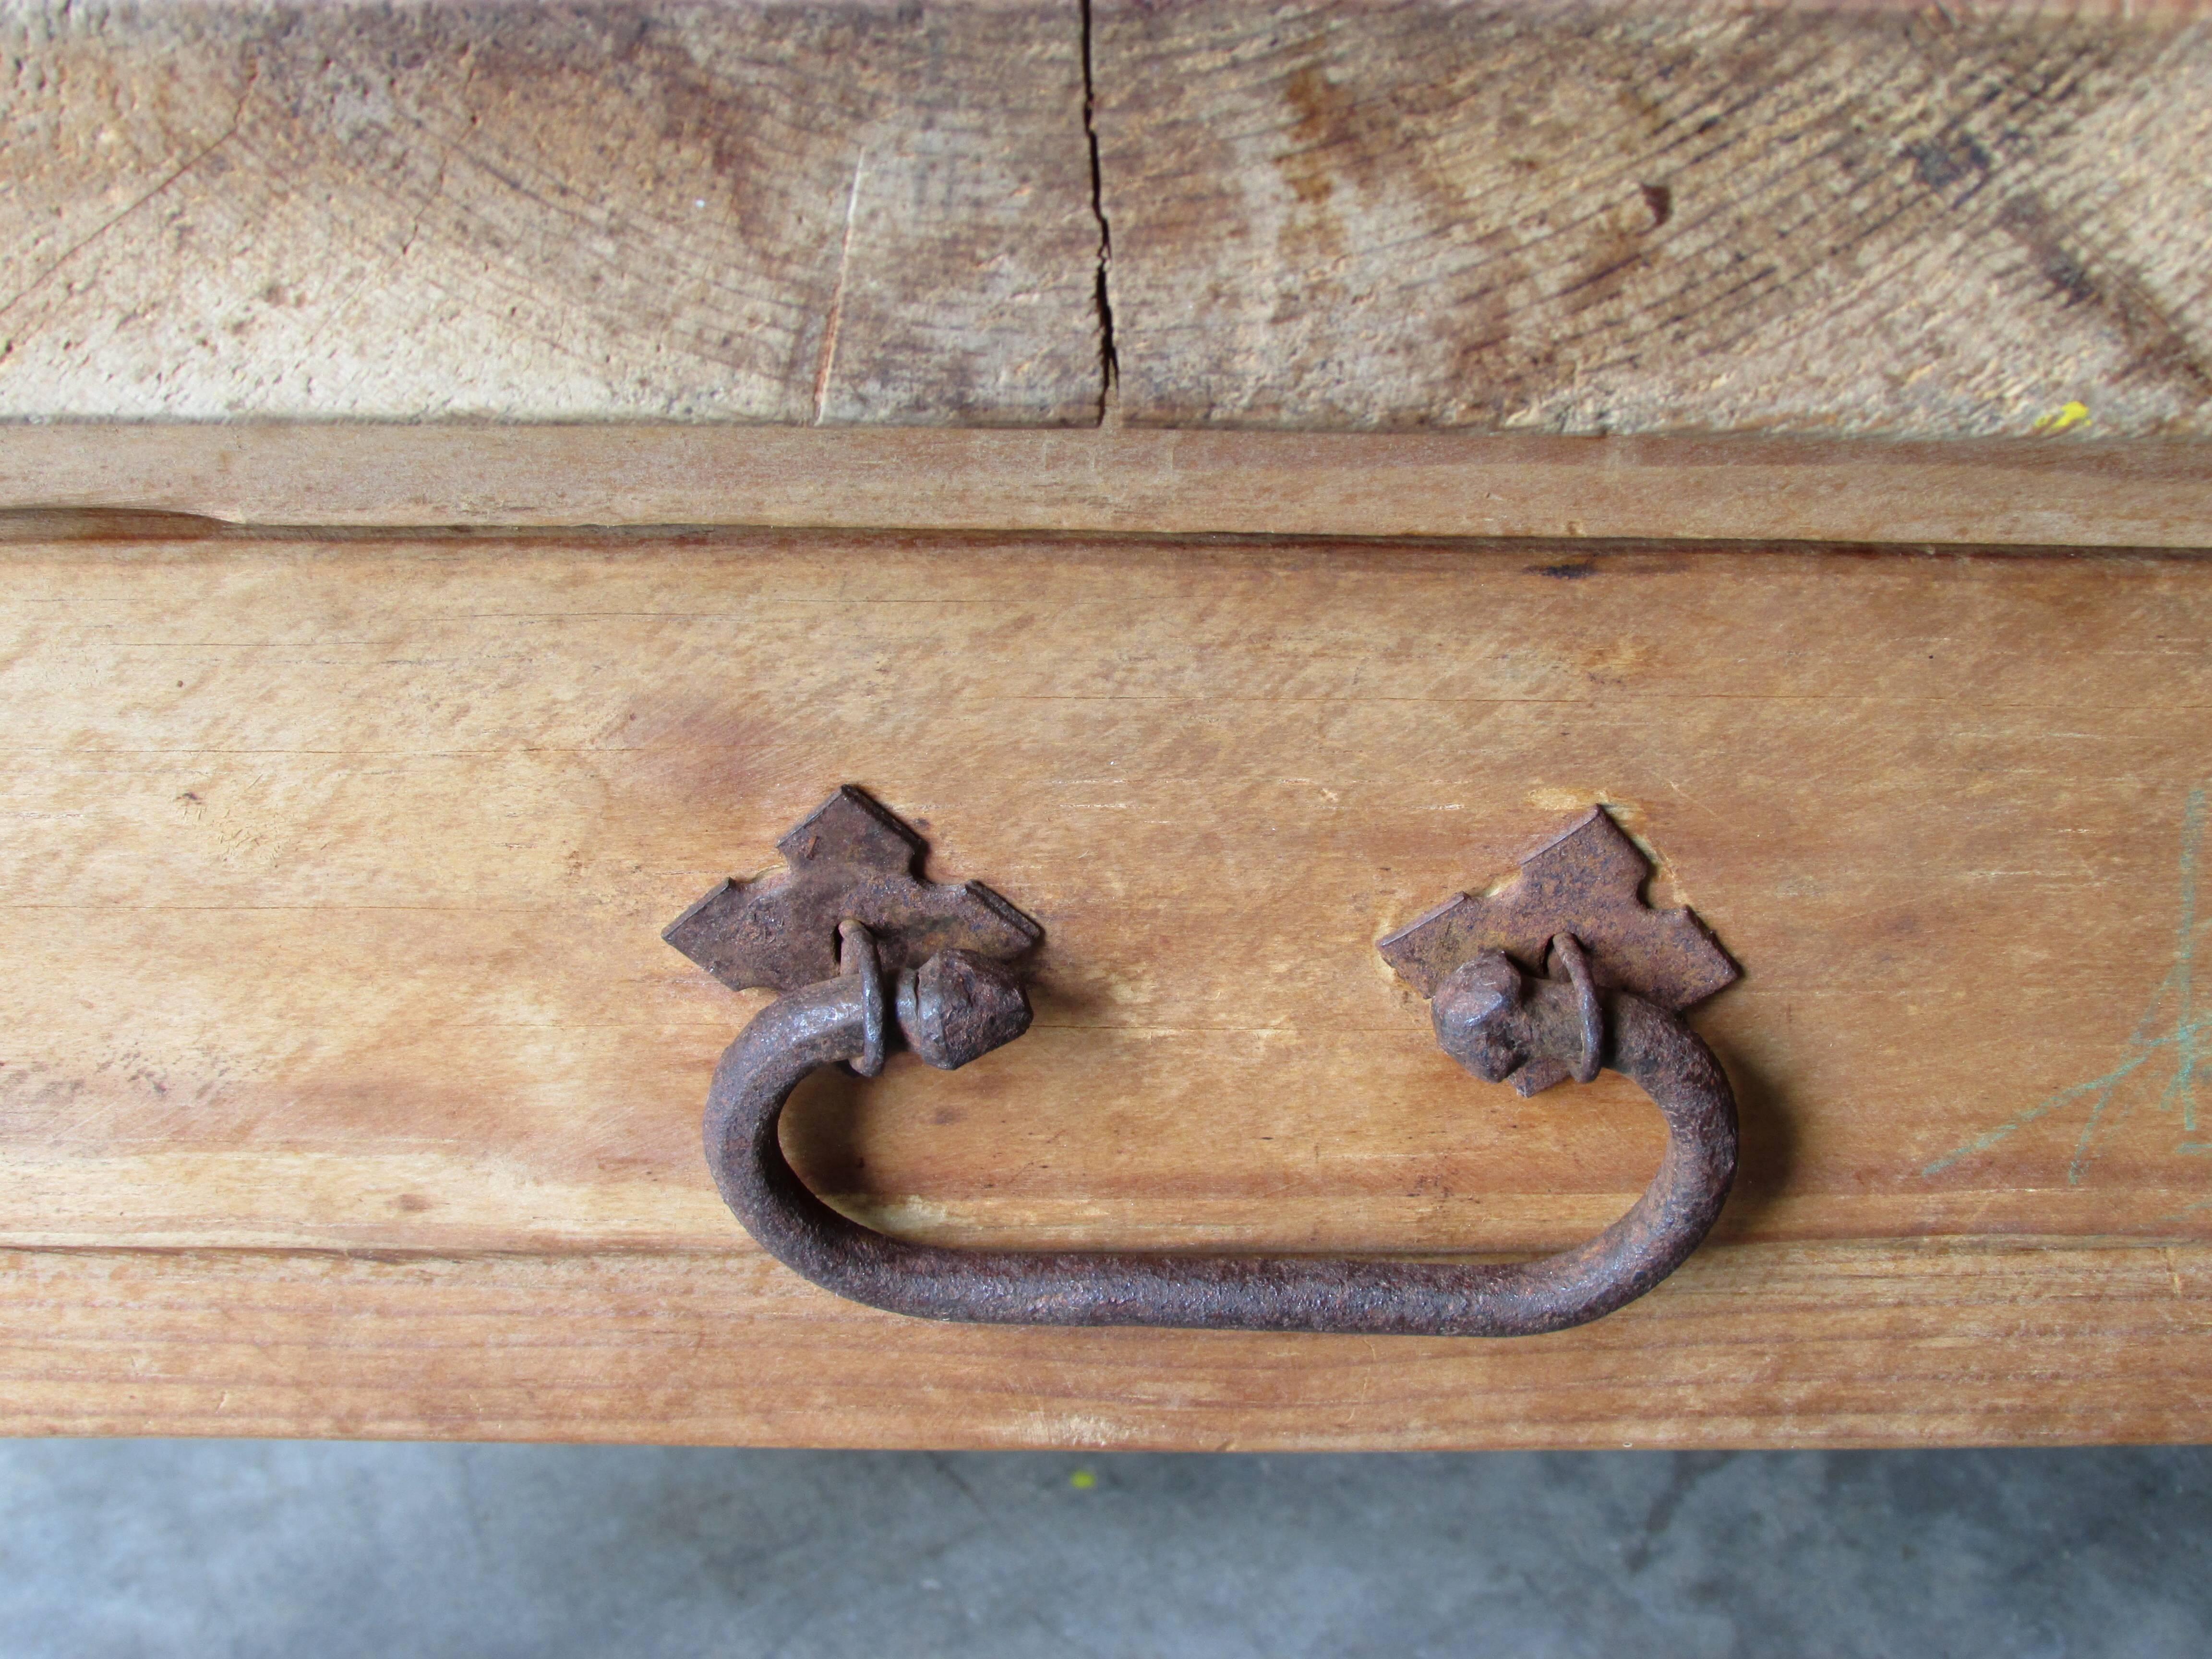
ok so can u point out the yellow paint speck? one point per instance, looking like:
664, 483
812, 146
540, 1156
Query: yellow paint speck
2067, 415
1082, 1480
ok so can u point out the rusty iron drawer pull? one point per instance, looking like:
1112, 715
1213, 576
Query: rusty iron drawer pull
861, 947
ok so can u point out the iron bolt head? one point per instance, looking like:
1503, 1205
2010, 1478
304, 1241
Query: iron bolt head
1477, 1013
957, 1006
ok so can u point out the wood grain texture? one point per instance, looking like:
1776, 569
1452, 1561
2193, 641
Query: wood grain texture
1933, 222
1845, 1344
849, 213
334, 869
2046, 492
1918, 220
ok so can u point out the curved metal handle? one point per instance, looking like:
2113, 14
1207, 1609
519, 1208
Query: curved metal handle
959, 1003
1490, 1018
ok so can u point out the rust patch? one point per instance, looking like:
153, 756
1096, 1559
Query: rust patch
850, 860
1587, 882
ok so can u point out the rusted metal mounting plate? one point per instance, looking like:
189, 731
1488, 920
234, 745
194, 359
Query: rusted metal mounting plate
1588, 881
850, 860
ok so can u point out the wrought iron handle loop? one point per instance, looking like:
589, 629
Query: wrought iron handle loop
1489, 1026
958, 1003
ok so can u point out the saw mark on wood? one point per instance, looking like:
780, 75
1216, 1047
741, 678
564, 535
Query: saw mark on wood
1615, 220
603, 211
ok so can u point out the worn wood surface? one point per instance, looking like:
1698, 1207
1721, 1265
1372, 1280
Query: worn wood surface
334, 869
1921, 220
1934, 1343
1924, 220
836, 213
2049, 492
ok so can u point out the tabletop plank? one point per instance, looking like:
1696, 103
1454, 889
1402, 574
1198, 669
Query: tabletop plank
1920, 220
334, 868
863, 212
1640, 216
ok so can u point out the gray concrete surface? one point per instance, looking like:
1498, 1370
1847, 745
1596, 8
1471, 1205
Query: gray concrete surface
250, 1549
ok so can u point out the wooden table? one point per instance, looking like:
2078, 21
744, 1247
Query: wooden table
354, 761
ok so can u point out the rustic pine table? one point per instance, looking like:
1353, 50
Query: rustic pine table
475, 476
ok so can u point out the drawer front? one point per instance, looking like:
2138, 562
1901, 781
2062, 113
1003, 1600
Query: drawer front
349, 1080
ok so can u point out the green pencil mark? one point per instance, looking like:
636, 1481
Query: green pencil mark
2172, 1031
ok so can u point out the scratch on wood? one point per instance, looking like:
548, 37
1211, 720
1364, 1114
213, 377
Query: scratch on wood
237, 117
837, 294
2171, 1029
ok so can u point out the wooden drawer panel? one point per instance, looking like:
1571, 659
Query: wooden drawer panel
347, 1075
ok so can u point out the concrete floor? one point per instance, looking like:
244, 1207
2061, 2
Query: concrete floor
250, 1548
